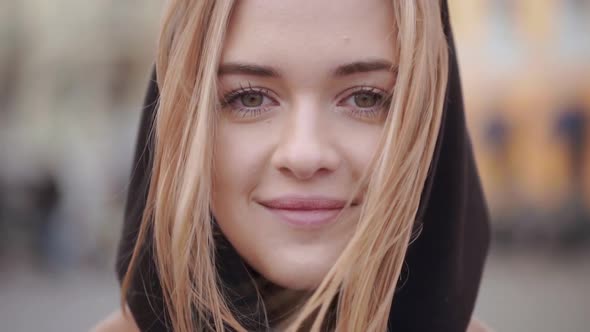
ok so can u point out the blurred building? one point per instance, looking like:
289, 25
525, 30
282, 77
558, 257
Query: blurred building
71, 83
73, 74
526, 75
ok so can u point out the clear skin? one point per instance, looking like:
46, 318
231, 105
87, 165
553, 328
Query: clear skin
305, 131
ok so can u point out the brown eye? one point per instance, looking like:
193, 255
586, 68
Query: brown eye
366, 100
252, 99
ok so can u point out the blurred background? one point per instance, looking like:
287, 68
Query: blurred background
72, 78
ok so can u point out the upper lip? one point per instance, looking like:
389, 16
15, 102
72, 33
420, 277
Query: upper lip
304, 203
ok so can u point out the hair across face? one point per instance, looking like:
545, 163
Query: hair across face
274, 116
305, 89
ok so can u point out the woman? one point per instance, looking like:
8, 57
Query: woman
308, 168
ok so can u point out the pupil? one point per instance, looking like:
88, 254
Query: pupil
252, 99
365, 100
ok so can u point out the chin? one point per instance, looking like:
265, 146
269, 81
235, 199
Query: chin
296, 274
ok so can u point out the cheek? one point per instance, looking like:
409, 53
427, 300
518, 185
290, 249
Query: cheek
358, 144
240, 158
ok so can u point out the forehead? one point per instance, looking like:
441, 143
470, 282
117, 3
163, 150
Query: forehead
317, 33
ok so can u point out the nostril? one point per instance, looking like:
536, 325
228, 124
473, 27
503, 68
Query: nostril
304, 171
305, 156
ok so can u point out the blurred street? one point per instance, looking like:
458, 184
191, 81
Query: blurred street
536, 292
520, 293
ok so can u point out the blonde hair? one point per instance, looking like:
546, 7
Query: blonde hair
179, 198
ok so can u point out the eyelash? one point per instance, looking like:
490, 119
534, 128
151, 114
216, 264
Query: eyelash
364, 113
370, 112
243, 111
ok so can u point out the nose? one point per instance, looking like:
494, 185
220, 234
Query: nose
305, 149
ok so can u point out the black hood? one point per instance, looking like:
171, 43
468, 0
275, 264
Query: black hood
444, 264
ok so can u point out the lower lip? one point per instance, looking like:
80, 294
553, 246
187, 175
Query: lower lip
308, 219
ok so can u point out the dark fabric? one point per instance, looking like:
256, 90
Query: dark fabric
145, 298
444, 264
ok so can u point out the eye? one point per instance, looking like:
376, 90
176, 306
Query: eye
252, 99
248, 102
366, 103
366, 99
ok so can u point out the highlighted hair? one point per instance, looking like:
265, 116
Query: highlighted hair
359, 288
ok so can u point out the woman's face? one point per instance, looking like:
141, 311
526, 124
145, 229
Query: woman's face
304, 88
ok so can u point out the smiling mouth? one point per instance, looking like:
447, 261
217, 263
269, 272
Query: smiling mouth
306, 213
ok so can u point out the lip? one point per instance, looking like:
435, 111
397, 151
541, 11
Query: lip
305, 212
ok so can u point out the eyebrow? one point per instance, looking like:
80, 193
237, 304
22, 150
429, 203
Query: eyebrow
238, 68
363, 67
249, 69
